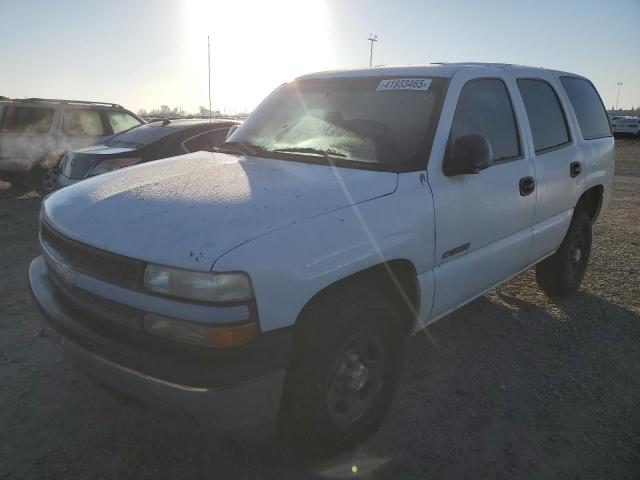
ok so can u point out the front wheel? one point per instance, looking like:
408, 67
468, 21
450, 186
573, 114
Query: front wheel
563, 272
44, 180
345, 368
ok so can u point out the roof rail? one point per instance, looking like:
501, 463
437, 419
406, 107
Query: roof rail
474, 64
62, 101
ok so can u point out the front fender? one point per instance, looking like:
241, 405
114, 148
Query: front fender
289, 266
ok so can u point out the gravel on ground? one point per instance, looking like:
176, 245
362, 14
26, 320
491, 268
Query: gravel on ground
514, 385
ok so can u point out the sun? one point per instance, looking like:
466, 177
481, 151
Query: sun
255, 46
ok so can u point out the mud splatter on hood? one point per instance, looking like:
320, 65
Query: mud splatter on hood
187, 211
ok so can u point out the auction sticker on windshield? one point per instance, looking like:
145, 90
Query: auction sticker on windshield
404, 84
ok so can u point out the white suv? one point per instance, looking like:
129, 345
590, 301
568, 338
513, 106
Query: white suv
35, 132
277, 278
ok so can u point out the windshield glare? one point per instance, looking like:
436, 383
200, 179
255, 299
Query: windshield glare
351, 120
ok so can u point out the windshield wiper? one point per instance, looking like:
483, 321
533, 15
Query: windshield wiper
242, 147
313, 151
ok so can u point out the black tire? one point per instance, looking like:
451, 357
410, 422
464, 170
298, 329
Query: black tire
562, 273
43, 180
345, 368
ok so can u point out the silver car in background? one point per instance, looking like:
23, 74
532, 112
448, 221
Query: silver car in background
35, 133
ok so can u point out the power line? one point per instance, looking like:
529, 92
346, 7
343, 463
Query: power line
372, 38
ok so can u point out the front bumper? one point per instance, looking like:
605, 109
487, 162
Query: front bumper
625, 130
250, 406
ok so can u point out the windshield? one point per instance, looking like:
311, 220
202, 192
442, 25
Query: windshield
139, 136
383, 122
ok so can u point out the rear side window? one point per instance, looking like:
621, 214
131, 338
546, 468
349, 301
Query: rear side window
206, 141
26, 120
546, 118
121, 121
588, 107
484, 108
77, 122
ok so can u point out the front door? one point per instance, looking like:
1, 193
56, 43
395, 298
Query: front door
483, 221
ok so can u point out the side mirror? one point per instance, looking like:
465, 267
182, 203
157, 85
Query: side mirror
467, 155
231, 130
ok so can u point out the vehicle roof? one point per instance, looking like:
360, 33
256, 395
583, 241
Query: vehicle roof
445, 70
59, 101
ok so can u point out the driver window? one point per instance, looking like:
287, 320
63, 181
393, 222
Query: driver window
484, 108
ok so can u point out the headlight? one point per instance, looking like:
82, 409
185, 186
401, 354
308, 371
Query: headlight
204, 286
112, 164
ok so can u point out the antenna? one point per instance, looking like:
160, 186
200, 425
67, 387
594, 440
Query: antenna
372, 38
209, 66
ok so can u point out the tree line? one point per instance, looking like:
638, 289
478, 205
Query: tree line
178, 112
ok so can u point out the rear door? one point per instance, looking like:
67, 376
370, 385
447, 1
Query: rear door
82, 127
558, 161
483, 221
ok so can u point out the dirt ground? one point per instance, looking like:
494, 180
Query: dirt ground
512, 386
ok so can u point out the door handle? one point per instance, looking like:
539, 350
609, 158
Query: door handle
527, 186
575, 168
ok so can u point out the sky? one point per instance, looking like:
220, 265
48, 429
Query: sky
147, 53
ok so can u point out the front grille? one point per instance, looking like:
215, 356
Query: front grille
90, 307
110, 267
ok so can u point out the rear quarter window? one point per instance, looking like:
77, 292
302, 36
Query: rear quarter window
121, 121
589, 110
30, 120
206, 141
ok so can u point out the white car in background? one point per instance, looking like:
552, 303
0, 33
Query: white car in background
626, 126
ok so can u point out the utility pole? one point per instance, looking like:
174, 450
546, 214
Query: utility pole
618, 97
209, 66
372, 38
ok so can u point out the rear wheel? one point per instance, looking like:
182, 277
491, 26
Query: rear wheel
563, 272
345, 368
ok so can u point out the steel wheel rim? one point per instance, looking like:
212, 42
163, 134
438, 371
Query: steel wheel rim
576, 253
355, 378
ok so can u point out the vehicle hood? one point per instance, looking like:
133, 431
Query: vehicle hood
189, 210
